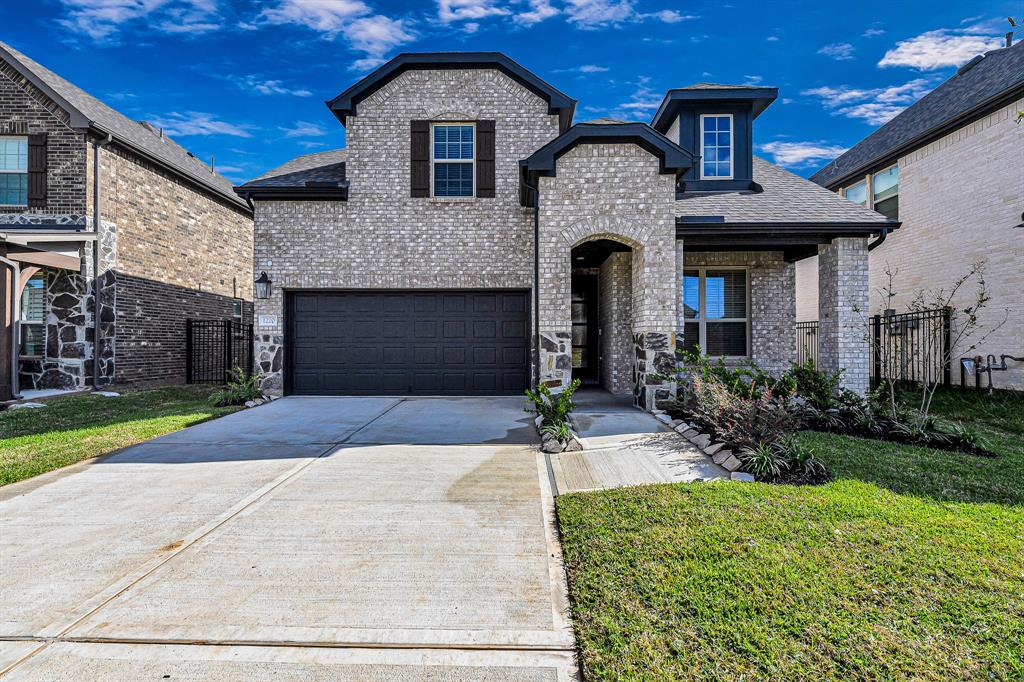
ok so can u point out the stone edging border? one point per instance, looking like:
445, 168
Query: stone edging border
718, 453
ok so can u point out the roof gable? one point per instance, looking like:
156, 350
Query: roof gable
346, 103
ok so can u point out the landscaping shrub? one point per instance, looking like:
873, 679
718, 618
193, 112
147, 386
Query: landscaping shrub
760, 417
240, 389
554, 408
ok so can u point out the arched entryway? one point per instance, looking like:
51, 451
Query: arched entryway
601, 310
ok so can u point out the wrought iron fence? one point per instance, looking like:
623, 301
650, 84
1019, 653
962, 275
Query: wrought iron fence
807, 342
905, 348
911, 347
214, 347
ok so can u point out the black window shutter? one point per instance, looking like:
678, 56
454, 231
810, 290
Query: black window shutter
485, 159
37, 169
419, 170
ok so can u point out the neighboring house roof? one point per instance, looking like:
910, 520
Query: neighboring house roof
87, 112
671, 157
758, 96
786, 198
984, 83
558, 102
310, 176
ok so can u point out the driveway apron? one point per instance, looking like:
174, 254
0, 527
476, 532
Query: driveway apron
343, 535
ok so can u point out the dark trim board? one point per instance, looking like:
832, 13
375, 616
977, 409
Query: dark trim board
407, 341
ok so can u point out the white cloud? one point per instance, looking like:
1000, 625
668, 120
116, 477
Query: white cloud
838, 51
188, 123
644, 99
772, 39
460, 10
594, 14
873, 32
538, 12
753, 80
471, 27
304, 129
801, 154
873, 105
592, 68
354, 20
938, 49
325, 16
271, 87
310, 144
103, 20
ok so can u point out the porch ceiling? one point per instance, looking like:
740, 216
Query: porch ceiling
52, 249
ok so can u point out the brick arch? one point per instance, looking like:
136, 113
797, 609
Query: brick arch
605, 227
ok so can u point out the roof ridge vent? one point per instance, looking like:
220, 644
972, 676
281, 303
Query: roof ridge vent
970, 65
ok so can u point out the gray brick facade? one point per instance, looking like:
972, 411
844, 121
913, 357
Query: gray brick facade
615, 283
843, 311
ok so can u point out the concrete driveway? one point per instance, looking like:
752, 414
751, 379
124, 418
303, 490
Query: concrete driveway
310, 538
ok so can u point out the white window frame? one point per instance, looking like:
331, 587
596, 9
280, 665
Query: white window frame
732, 145
702, 318
41, 322
8, 171
471, 162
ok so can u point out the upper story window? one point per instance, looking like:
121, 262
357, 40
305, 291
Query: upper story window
453, 159
858, 193
879, 191
885, 188
715, 311
33, 312
716, 146
14, 171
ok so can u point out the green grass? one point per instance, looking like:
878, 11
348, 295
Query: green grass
1003, 409
74, 428
908, 565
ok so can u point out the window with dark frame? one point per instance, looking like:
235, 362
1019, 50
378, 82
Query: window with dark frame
14, 171
452, 159
32, 321
716, 311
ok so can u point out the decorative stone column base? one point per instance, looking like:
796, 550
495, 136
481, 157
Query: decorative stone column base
654, 355
555, 360
269, 358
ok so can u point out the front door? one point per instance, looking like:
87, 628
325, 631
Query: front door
585, 360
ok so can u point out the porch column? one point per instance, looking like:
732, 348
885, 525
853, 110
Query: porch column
843, 311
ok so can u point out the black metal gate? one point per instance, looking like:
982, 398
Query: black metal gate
214, 347
807, 342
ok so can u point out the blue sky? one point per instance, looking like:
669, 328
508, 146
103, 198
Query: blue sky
245, 80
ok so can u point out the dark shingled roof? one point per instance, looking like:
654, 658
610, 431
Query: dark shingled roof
978, 85
320, 167
88, 112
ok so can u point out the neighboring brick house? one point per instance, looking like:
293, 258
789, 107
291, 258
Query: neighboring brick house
951, 169
472, 240
174, 240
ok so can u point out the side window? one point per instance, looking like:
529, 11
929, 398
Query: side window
885, 187
857, 193
33, 316
452, 159
14, 171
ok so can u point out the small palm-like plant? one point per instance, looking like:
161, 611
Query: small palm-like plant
240, 389
558, 430
763, 460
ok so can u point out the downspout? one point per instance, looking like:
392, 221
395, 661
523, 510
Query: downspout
536, 273
97, 218
881, 238
15, 325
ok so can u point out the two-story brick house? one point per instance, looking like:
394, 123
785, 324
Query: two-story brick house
471, 239
172, 240
951, 169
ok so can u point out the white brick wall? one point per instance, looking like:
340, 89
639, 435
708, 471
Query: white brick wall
960, 198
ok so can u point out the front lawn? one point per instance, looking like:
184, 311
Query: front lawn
78, 427
909, 564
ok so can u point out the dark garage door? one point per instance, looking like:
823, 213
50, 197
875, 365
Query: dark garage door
401, 342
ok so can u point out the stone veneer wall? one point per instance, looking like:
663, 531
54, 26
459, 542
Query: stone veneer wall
842, 311
772, 301
24, 109
172, 252
608, 191
615, 299
383, 238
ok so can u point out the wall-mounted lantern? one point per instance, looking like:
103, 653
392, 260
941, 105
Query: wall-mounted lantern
263, 286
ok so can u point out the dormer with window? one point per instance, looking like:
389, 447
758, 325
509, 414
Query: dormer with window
715, 123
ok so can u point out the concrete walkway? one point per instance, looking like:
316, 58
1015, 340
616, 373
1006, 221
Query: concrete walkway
310, 538
624, 446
